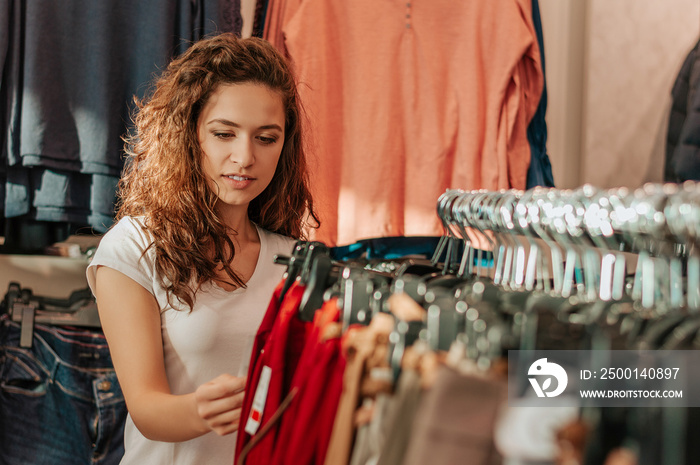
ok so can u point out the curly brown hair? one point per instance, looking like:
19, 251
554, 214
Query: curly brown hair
163, 179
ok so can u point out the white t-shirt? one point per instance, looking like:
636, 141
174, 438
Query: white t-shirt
198, 346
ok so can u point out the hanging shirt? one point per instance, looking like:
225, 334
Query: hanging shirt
540, 171
283, 336
70, 70
682, 160
305, 427
407, 99
455, 420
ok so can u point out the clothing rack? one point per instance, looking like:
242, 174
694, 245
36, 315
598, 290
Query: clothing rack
606, 268
542, 269
583, 241
521, 250
27, 309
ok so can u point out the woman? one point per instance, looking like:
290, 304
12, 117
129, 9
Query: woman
215, 185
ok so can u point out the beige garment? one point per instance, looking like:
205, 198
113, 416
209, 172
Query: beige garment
455, 421
399, 418
359, 343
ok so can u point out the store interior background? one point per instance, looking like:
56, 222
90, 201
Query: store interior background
610, 67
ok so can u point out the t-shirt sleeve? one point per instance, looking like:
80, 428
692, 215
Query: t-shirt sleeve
280, 245
122, 249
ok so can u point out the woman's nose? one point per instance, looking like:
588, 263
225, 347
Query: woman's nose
242, 152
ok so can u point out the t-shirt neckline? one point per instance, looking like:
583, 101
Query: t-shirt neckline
254, 277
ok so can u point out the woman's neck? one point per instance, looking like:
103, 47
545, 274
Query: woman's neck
246, 242
243, 230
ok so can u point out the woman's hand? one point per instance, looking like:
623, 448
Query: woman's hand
219, 403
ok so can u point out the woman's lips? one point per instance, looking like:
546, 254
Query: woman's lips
238, 181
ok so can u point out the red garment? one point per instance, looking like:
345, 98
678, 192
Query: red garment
329, 406
278, 346
306, 425
254, 367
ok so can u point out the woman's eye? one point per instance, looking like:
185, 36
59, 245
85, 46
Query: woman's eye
223, 135
267, 140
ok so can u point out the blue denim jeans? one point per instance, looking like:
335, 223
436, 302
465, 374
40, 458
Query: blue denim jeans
60, 402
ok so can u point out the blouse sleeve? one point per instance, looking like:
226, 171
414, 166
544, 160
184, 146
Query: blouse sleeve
122, 249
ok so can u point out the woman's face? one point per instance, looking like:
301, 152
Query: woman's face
241, 132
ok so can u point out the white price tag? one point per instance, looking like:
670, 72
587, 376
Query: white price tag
253, 423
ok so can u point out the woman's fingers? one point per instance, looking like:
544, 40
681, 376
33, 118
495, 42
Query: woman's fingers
210, 408
226, 422
221, 386
219, 403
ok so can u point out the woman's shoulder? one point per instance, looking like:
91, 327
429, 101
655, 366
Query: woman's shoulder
276, 243
126, 247
130, 224
128, 230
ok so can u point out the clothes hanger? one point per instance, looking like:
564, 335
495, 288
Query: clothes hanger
448, 240
412, 285
481, 303
322, 274
445, 318
682, 212
457, 220
357, 294
602, 213
294, 265
647, 224
509, 246
658, 298
476, 212
595, 240
404, 334
79, 309
479, 217
614, 208
581, 241
527, 218
560, 229
541, 214
299, 263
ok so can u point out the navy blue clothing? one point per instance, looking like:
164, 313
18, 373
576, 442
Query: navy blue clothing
60, 400
540, 171
683, 138
259, 17
70, 70
61, 196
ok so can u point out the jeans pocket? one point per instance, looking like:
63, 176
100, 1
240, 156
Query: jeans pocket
21, 373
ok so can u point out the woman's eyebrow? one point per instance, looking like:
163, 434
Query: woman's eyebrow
271, 126
224, 122
236, 125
